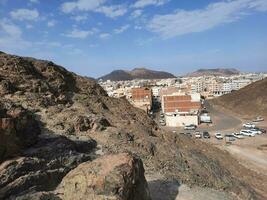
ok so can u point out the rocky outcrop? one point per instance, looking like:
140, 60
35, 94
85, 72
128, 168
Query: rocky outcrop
42, 167
18, 129
112, 177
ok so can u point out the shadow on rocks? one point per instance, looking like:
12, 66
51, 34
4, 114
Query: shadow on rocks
164, 189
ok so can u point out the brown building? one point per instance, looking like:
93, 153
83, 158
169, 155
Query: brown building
168, 91
142, 98
181, 109
180, 104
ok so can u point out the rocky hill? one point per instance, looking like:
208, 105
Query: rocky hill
59, 129
214, 72
137, 73
249, 101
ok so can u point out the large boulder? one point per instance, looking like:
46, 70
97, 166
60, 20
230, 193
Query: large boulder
111, 177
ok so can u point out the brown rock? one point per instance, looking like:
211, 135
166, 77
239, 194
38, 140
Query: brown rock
112, 177
18, 129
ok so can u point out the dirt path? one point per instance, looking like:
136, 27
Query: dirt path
252, 158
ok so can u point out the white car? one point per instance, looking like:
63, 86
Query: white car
254, 131
238, 135
258, 119
198, 134
247, 133
190, 127
249, 125
257, 131
218, 136
162, 123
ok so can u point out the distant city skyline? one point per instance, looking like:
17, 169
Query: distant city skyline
94, 37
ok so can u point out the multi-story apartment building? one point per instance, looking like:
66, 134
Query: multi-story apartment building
142, 98
181, 109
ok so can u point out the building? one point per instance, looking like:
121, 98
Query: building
181, 109
168, 91
142, 98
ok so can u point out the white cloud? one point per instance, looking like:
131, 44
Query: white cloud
11, 37
104, 35
81, 34
83, 5
136, 13
260, 5
29, 26
34, 1
144, 3
112, 11
51, 23
183, 22
25, 14
121, 29
79, 18
10, 29
94, 6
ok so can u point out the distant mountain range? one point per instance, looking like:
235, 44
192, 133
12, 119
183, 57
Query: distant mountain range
215, 72
137, 73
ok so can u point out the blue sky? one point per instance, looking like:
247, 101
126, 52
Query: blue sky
94, 37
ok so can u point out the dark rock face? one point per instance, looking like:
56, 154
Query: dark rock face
83, 123
119, 177
18, 129
42, 166
6, 87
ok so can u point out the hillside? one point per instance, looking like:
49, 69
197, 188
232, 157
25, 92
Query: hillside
78, 124
214, 72
249, 101
137, 73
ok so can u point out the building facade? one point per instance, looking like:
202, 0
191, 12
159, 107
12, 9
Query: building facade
142, 98
181, 109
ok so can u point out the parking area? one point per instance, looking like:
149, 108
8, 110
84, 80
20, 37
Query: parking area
249, 151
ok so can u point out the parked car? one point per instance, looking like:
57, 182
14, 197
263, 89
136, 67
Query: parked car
190, 127
218, 136
258, 119
238, 135
198, 134
230, 137
163, 124
188, 134
256, 130
262, 130
206, 135
247, 133
249, 125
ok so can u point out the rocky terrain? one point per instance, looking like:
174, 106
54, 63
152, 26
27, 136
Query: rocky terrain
249, 101
215, 72
137, 73
72, 140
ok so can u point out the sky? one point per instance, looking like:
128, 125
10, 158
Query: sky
94, 37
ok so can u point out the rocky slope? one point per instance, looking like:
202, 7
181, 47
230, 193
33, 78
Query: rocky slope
249, 101
137, 73
215, 72
79, 123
